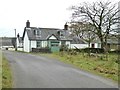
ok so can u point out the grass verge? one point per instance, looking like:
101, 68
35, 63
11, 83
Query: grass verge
6, 74
98, 65
0, 69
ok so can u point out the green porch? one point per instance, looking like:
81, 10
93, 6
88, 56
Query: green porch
54, 45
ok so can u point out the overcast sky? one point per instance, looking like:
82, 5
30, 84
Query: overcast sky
40, 13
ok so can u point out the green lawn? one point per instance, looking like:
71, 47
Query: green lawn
6, 74
98, 65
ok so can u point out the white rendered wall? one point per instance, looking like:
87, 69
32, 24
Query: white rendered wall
68, 43
21, 44
20, 49
95, 45
59, 43
33, 44
26, 45
18, 44
80, 46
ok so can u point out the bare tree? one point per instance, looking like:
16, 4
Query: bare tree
103, 16
83, 30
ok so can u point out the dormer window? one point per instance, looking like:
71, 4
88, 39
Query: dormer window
58, 32
37, 33
61, 34
34, 32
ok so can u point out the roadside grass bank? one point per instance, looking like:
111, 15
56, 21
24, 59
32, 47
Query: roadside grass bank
6, 74
97, 65
0, 69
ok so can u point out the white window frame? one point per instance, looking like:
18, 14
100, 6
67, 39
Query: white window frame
38, 44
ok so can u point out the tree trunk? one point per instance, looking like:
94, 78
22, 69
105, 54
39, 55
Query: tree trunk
89, 44
104, 46
102, 43
89, 48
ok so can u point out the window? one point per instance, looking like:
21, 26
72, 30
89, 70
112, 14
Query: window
62, 34
55, 44
38, 44
34, 32
63, 42
58, 32
37, 33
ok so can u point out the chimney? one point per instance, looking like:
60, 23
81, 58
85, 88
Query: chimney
66, 27
27, 24
18, 35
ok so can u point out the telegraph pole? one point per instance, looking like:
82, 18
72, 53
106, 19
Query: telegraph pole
15, 41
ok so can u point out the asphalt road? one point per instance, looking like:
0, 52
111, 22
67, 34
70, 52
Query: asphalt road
31, 71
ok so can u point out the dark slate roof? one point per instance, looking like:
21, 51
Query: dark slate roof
77, 40
112, 41
109, 41
20, 39
8, 41
46, 32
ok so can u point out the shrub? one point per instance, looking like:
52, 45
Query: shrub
116, 51
92, 50
72, 52
63, 48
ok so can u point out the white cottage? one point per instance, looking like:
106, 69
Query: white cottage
51, 38
19, 41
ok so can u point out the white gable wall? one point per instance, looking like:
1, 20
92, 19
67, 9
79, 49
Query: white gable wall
26, 45
18, 44
52, 37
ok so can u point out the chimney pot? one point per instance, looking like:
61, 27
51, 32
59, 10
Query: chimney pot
66, 27
27, 24
18, 35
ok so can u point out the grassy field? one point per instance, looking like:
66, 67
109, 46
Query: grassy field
6, 74
0, 69
98, 65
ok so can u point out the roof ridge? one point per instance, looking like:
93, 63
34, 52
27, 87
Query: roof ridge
50, 28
